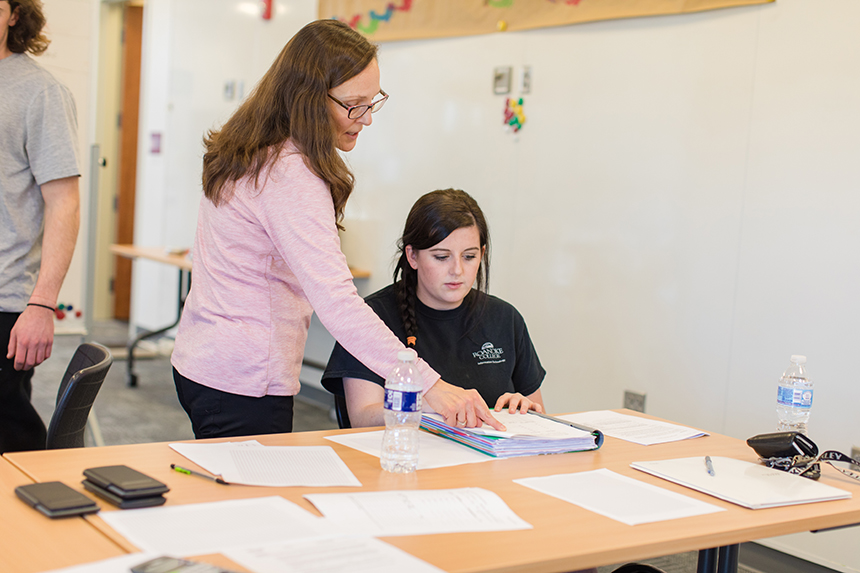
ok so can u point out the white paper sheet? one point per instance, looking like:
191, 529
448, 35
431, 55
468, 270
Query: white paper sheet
112, 565
433, 451
201, 528
633, 428
527, 425
276, 466
618, 497
210, 456
356, 555
418, 512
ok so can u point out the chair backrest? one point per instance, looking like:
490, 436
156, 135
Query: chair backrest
78, 390
637, 568
341, 411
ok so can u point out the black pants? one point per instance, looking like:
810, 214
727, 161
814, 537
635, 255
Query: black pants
21, 428
217, 414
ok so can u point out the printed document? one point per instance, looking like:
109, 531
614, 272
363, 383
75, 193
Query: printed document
201, 528
418, 512
354, 554
276, 466
433, 451
618, 497
526, 425
633, 428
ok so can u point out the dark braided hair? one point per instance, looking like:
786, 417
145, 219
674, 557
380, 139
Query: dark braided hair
432, 218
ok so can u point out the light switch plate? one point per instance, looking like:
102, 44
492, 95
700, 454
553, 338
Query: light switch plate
502, 80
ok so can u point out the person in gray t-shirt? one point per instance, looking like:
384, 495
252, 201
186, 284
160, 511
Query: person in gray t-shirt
39, 214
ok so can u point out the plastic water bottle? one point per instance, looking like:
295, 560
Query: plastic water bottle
794, 397
402, 416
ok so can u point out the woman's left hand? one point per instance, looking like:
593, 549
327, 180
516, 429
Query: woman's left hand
517, 402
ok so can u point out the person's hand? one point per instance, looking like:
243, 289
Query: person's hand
517, 402
461, 408
31, 338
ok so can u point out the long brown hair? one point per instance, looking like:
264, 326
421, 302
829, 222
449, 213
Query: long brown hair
290, 102
432, 218
26, 35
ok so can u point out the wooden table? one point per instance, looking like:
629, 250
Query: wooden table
565, 537
183, 262
31, 542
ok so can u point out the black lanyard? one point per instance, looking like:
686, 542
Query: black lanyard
809, 467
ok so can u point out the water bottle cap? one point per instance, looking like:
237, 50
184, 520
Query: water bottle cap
798, 359
406, 355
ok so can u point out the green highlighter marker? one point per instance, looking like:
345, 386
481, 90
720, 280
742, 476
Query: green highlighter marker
198, 474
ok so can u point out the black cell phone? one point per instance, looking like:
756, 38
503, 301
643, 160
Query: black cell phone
173, 565
56, 499
782, 445
125, 482
130, 503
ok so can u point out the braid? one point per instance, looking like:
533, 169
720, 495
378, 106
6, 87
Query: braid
405, 290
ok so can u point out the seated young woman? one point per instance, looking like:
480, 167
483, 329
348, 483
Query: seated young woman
439, 305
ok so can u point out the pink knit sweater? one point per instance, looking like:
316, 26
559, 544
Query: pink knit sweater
263, 263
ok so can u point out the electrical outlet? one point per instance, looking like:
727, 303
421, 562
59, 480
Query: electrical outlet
634, 401
526, 85
855, 453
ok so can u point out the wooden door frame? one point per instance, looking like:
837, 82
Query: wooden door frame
127, 171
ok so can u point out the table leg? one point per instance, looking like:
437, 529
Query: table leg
707, 561
729, 559
184, 287
722, 560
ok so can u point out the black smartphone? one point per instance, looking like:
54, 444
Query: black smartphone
173, 565
130, 503
56, 499
125, 482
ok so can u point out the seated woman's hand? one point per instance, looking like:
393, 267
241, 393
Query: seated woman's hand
461, 408
517, 403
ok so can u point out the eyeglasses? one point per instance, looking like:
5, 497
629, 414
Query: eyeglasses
356, 111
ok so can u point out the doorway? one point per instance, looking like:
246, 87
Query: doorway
121, 25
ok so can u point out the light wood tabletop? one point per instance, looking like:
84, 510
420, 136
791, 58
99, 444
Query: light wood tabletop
564, 538
31, 542
158, 254
182, 260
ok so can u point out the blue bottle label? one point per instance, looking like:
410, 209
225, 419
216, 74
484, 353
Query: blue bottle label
795, 397
399, 401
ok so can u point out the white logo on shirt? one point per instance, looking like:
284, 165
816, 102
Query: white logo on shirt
488, 354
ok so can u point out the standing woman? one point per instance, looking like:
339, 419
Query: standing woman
267, 253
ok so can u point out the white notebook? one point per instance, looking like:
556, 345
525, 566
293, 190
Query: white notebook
751, 485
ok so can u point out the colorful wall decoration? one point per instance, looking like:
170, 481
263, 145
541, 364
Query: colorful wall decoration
385, 20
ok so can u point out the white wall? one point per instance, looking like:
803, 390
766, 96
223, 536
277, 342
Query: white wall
72, 27
677, 217
191, 48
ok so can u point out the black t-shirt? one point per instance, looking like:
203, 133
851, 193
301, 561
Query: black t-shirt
494, 357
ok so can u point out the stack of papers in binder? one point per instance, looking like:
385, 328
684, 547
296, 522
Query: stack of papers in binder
527, 435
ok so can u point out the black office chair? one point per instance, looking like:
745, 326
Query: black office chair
341, 411
637, 568
78, 390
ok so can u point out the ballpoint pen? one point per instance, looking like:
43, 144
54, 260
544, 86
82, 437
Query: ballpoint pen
709, 465
198, 474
